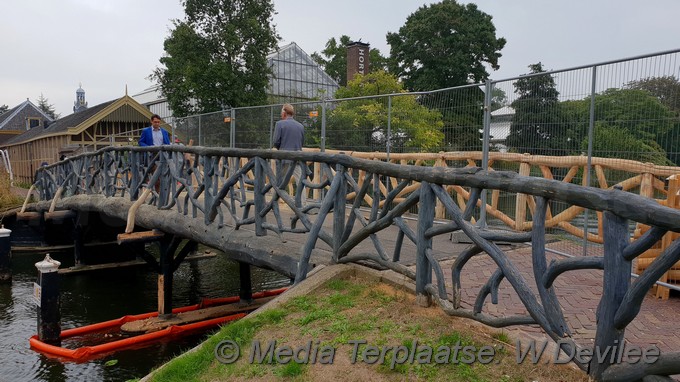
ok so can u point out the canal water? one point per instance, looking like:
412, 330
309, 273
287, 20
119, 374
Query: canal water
93, 297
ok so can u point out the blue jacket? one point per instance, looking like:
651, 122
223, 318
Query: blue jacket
146, 139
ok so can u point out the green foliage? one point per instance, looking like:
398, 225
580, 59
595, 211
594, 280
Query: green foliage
498, 98
333, 59
46, 107
536, 127
216, 57
291, 369
363, 122
443, 45
667, 91
629, 124
614, 142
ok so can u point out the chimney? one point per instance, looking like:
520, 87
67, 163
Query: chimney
357, 59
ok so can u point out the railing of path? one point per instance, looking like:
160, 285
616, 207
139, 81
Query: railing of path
238, 187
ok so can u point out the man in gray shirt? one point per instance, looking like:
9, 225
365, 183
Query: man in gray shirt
289, 135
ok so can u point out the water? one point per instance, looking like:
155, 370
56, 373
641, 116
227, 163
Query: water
104, 295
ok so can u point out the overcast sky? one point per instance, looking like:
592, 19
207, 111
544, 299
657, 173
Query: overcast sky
50, 46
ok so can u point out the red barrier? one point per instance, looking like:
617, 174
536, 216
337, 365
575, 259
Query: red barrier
86, 352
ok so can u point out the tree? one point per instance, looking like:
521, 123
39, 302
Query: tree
333, 59
536, 126
629, 124
639, 115
46, 107
667, 90
3, 108
362, 124
443, 45
498, 98
217, 56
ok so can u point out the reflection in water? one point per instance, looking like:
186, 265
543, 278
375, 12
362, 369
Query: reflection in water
104, 295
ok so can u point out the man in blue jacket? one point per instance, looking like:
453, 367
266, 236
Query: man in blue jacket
154, 135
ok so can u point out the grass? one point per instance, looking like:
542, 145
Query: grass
335, 318
7, 198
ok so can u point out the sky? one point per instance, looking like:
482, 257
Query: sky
51, 47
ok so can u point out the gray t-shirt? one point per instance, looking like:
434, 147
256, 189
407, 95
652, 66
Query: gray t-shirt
289, 134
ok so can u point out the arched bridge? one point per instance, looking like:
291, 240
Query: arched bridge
243, 202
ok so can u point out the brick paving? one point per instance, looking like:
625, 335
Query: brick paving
578, 293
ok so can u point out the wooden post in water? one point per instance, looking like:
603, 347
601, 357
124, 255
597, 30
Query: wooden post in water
5, 255
78, 244
49, 304
246, 292
165, 280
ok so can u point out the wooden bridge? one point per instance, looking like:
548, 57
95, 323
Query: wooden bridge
235, 200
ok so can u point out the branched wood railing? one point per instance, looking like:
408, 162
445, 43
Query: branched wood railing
646, 179
237, 187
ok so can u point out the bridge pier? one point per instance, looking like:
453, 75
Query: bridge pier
5, 255
78, 245
246, 285
165, 276
49, 303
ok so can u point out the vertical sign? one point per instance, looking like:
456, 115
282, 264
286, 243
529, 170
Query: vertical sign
357, 59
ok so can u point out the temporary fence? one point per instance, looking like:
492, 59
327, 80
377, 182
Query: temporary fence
622, 114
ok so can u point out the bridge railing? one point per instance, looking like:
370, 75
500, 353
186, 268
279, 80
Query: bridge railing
239, 187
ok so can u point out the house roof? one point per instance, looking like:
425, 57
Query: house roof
77, 122
7, 116
505, 110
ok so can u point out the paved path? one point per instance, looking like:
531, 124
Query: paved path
579, 294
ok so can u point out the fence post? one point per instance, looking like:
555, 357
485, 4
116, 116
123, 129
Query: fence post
425, 222
323, 126
486, 139
271, 126
232, 129
388, 140
521, 204
591, 127
200, 142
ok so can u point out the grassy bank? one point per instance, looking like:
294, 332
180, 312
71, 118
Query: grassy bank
337, 319
7, 198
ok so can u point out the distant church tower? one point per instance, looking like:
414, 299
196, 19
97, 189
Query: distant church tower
80, 103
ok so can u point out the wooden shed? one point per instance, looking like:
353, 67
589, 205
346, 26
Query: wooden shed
116, 122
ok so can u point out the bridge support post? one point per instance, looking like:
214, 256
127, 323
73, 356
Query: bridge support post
246, 291
259, 201
339, 211
78, 245
165, 280
616, 283
5, 256
425, 222
49, 304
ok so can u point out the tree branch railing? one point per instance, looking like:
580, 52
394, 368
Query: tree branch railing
239, 187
